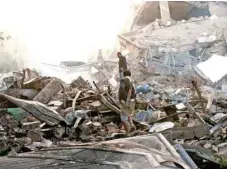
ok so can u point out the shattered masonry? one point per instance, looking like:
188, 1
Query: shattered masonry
74, 120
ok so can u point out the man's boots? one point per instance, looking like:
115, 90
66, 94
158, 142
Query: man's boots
132, 126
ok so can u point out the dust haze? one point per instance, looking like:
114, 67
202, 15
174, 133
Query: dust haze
55, 31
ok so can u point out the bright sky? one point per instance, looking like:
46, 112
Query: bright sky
56, 30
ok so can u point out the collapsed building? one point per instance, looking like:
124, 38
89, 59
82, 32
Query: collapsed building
69, 116
172, 38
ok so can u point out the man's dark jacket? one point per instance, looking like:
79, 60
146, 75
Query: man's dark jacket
122, 63
125, 85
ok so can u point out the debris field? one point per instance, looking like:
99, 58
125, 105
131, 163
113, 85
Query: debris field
177, 60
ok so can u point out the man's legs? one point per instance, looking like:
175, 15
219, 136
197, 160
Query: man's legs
133, 127
125, 123
121, 75
132, 109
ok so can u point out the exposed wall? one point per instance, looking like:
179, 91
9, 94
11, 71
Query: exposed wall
182, 10
149, 13
179, 10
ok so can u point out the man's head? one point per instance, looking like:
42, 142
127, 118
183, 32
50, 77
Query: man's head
127, 73
119, 54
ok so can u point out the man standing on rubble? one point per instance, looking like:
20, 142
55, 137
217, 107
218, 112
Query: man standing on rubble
122, 64
127, 96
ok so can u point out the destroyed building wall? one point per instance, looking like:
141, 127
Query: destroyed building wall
149, 14
179, 10
174, 47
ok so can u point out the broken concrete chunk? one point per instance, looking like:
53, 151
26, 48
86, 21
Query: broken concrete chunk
23, 141
158, 127
180, 106
207, 145
201, 130
3, 147
22, 93
97, 124
46, 143
223, 152
85, 138
52, 88
34, 135
4, 121
85, 129
189, 132
43, 144
217, 117
55, 105
214, 148
191, 122
96, 104
80, 83
222, 145
101, 133
167, 23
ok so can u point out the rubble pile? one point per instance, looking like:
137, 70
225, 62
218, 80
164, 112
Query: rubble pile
193, 116
178, 92
57, 114
181, 101
44, 111
173, 45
